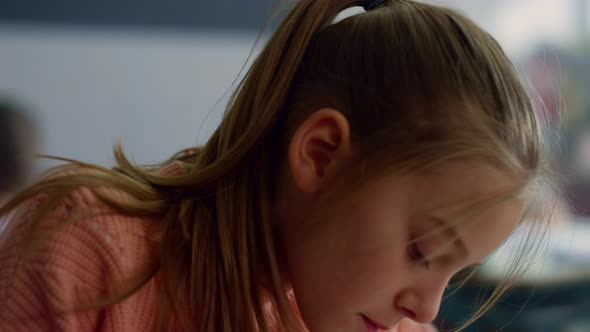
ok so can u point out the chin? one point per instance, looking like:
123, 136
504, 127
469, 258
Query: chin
342, 325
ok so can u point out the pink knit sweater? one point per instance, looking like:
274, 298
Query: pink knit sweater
74, 265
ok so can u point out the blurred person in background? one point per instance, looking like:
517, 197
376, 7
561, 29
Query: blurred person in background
17, 147
360, 165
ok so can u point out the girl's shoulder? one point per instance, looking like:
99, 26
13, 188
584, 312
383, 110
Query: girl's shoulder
81, 251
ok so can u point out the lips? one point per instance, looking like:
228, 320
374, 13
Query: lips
373, 326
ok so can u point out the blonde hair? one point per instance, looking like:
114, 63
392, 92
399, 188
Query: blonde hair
419, 84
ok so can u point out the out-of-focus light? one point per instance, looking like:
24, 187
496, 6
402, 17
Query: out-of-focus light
521, 24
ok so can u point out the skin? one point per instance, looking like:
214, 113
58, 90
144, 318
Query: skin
354, 257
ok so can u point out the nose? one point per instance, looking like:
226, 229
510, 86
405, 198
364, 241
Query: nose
421, 303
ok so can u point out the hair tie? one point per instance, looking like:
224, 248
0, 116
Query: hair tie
373, 4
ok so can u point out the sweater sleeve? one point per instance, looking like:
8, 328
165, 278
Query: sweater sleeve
74, 265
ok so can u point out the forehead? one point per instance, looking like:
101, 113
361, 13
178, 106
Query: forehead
454, 186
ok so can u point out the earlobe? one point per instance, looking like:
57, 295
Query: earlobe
318, 147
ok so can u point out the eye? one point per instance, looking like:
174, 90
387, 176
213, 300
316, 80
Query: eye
416, 255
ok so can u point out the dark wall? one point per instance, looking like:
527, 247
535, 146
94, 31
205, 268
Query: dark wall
216, 14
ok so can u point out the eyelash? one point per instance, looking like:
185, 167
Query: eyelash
417, 256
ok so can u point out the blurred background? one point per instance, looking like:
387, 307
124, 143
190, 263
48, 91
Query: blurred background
154, 74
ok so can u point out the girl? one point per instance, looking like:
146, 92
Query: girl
360, 165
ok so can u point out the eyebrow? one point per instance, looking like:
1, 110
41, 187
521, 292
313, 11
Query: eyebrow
450, 231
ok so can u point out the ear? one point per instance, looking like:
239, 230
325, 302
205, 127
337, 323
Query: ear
319, 146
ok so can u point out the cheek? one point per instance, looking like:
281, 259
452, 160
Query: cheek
336, 291
357, 237
352, 260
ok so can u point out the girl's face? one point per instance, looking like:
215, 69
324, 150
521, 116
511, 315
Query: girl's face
352, 264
